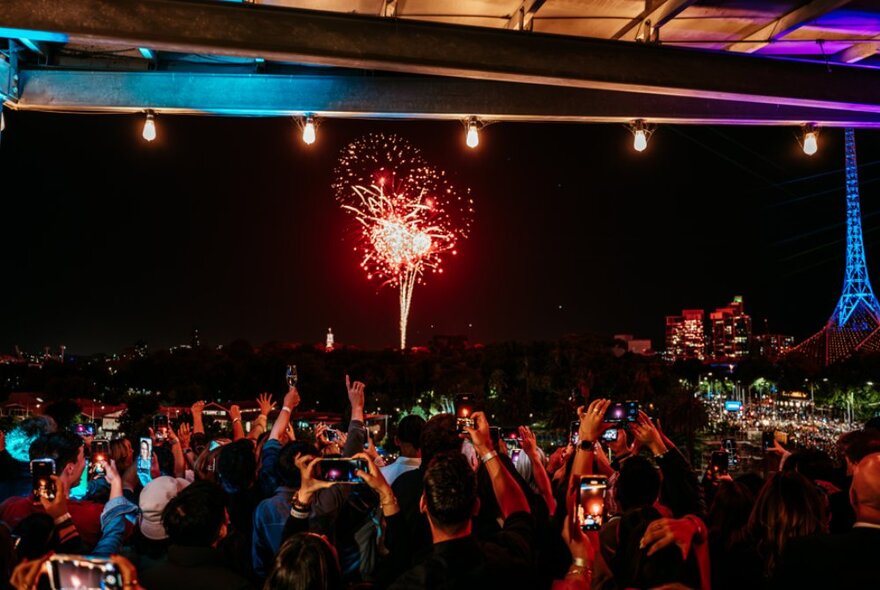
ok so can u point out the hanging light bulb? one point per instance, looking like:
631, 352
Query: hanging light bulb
2, 120
811, 140
150, 127
473, 134
641, 133
309, 130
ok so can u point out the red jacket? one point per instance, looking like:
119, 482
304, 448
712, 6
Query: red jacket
86, 516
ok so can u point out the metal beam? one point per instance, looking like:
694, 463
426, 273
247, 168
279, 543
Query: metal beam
659, 16
857, 52
522, 17
391, 96
785, 24
418, 47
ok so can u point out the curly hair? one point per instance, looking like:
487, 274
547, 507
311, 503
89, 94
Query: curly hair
450, 491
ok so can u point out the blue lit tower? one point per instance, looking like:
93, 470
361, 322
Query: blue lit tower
856, 319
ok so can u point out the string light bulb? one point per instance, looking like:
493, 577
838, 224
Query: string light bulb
473, 134
149, 132
308, 129
641, 134
811, 139
2, 120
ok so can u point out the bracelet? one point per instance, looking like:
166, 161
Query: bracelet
391, 502
579, 562
285, 409
234, 420
62, 519
488, 456
579, 571
299, 514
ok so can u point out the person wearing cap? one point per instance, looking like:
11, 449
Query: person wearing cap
151, 545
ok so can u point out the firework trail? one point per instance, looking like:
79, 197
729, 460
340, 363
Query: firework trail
408, 213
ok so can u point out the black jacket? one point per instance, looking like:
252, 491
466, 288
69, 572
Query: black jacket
849, 560
193, 568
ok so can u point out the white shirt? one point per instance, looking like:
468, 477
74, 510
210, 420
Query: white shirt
399, 467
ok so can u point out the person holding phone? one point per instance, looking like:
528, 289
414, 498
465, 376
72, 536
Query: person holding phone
67, 450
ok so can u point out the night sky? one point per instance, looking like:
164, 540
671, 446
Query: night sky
229, 225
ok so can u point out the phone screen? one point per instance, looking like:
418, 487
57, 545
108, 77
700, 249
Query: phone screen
610, 435
720, 462
511, 438
71, 572
464, 410
495, 435
767, 439
291, 376
145, 461
99, 457
340, 470
574, 432
591, 502
87, 429
160, 426
42, 471
622, 412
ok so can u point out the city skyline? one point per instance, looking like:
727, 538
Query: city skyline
574, 232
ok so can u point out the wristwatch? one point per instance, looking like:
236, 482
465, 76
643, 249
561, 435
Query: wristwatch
585, 445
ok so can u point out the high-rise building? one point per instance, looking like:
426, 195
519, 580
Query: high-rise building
329, 343
685, 336
731, 331
773, 346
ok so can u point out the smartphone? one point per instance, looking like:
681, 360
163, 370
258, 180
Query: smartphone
99, 456
292, 377
720, 463
333, 436
610, 435
160, 426
464, 411
145, 461
620, 412
591, 502
729, 445
69, 572
495, 435
767, 439
42, 485
85, 429
339, 470
511, 438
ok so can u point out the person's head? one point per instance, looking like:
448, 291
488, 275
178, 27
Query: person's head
439, 435
285, 469
814, 464
121, 453
638, 484
66, 449
237, 465
153, 500
37, 536
857, 445
20, 438
730, 509
409, 433
789, 506
306, 561
205, 467
196, 516
450, 496
865, 491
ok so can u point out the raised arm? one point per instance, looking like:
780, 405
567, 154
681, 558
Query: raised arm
198, 425
291, 401
177, 452
357, 434
237, 426
530, 447
591, 429
510, 497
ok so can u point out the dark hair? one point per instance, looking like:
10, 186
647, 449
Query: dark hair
450, 490
409, 429
237, 465
37, 534
859, 444
788, 506
62, 446
165, 460
195, 516
811, 463
286, 469
638, 484
730, 511
305, 562
438, 436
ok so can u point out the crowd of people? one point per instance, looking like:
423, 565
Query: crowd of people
460, 507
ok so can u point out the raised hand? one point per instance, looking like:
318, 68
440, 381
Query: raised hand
197, 408
529, 442
479, 435
184, 433
647, 434
665, 531
306, 465
592, 420
264, 400
356, 398
234, 413
291, 398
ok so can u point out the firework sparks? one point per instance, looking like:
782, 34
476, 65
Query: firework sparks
409, 214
